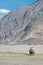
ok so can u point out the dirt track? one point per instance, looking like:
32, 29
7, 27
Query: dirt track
20, 59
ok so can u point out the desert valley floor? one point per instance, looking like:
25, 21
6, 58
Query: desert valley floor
19, 55
20, 59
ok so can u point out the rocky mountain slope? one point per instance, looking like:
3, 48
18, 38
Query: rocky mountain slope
23, 25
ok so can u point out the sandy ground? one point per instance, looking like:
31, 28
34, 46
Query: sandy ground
21, 48
20, 59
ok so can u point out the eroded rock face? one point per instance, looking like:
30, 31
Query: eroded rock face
23, 24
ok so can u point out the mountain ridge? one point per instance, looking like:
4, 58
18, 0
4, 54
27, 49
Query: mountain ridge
22, 24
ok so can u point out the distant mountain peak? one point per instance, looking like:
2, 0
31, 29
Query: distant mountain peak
23, 25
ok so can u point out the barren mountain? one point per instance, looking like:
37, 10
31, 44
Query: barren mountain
23, 25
